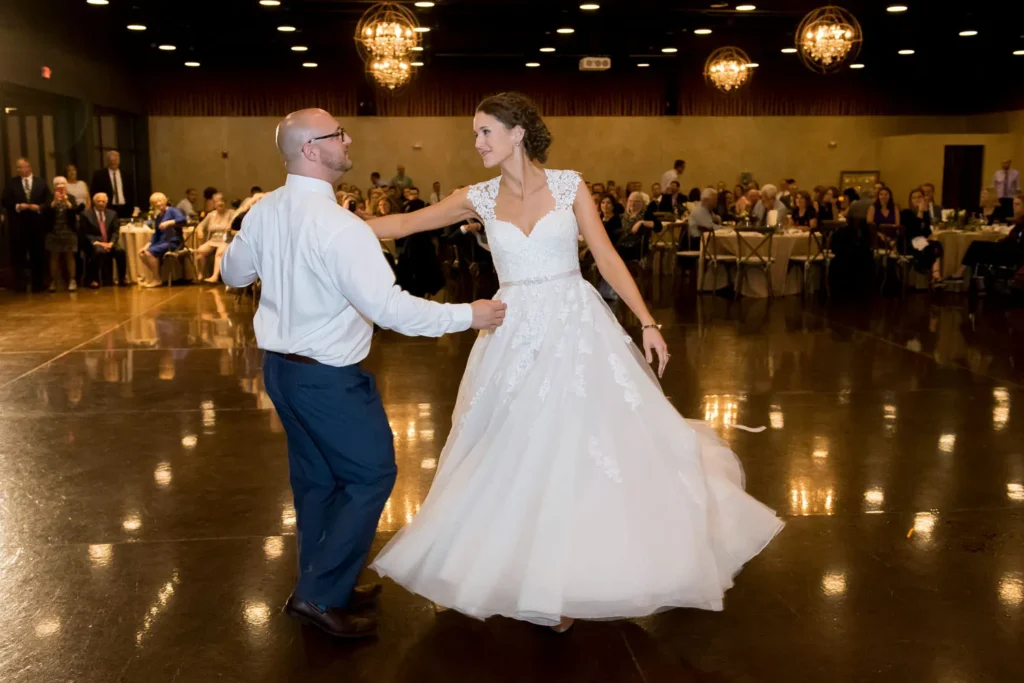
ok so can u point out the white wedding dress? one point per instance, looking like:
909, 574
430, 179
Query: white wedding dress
569, 485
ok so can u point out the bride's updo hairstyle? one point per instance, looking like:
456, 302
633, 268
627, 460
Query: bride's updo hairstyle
515, 109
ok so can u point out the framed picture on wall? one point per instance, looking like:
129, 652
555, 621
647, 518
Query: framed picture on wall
858, 180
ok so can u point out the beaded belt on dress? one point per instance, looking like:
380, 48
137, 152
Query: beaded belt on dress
541, 280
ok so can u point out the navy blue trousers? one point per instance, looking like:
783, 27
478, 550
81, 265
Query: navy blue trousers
341, 459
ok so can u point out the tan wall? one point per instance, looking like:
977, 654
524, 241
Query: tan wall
187, 151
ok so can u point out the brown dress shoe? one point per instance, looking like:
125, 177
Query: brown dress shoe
363, 597
335, 622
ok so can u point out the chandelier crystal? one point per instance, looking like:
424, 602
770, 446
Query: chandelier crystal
827, 38
728, 69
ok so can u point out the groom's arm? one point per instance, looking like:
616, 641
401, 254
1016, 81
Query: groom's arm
354, 260
238, 265
454, 209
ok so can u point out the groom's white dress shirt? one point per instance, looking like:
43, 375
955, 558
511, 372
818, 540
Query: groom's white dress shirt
324, 278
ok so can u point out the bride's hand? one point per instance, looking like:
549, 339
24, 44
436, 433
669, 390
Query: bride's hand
654, 342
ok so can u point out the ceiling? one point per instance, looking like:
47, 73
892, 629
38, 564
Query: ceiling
505, 34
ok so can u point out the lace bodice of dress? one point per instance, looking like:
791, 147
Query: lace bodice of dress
551, 249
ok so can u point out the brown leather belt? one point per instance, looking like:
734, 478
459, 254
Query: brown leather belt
295, 358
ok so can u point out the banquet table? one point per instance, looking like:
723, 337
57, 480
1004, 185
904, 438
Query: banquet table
786, 280
132, 238
956, 242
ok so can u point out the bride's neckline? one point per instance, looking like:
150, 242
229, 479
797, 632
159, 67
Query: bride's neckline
533, 228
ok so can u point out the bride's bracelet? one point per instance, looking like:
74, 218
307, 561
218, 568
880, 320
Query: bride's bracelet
652, 326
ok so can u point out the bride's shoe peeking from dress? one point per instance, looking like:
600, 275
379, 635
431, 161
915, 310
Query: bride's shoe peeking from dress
566, 624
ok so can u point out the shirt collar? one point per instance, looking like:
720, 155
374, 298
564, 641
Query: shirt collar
307, 184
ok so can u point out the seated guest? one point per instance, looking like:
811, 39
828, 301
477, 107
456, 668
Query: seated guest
917, 222
207, 201
694, 196
243, 209
804, 215
992, 211
726, 205
828, 207
78, 190
187, 205
738, 191
656, 194
167, 225
787, 193
213, 234
761, 213
100, 227
746, 203
673, 202
884, 211
598, 188
610, 219
858, 206
1007, 252
436, 195
60, 222
255, 190
413, 201
635, 224
702, 216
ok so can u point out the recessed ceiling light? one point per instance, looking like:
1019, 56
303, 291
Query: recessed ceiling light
896, 8
136, 27
191, 63
669, 50
98, 2
270, 3
424, 5
547, 49
789, 50
422, 29
906, 52
857, 66
1018, 52
309, 65
566, 31
745, 8
968, 34
643, 65
532, 64
418, 48
168, 48
753, 65
299, 48
590, 6
416, 63
702, 32
286, 29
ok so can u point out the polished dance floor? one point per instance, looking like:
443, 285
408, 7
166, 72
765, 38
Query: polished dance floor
146, 529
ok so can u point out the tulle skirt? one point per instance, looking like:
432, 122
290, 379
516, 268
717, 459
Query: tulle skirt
569, 484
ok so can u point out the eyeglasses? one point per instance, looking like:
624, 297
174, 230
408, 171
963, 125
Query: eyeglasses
340, 133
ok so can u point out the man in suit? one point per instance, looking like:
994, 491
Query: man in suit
673, 201
100, 228
24, 198
111, 182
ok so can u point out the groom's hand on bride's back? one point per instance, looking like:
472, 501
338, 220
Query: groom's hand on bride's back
488, 315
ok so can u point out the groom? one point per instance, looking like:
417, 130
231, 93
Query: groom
324, 283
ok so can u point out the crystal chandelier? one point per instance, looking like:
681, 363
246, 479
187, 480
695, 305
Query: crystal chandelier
728, 68
386, 30
390, 73
385, 37
827, 37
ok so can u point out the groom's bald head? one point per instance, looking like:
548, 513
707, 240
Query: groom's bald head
328, 160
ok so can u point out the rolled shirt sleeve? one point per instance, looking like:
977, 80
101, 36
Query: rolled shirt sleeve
238, 265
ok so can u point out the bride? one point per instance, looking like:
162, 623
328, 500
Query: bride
569, 486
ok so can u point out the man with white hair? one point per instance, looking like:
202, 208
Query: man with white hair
703, 215
167, 225
100, 229
769, 201
324, 284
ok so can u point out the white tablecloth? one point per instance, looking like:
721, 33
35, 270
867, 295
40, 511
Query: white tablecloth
955, 244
